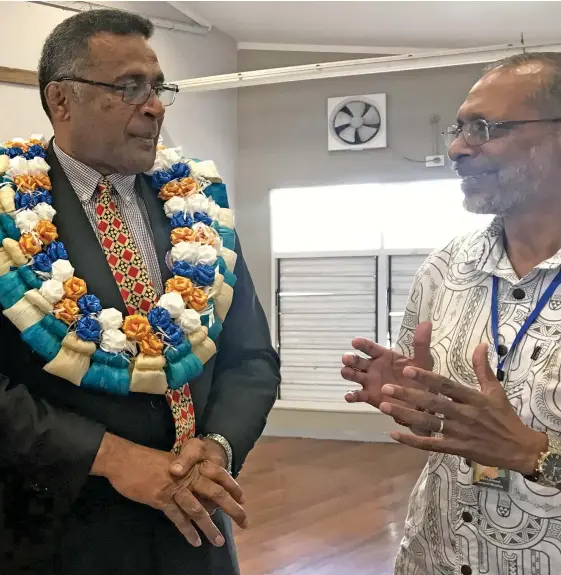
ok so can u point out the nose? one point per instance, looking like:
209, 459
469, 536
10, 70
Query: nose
459, 149
153, 107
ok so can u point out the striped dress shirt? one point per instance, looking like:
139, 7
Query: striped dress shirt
84, 181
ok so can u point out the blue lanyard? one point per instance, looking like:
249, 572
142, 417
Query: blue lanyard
531, 318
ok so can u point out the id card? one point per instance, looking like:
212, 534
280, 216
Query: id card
493, 477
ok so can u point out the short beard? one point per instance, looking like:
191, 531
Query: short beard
511, 188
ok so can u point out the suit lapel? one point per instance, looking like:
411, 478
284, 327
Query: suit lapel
80, 240
158, 222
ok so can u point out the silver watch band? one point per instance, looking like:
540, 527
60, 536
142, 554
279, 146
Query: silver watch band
226, 445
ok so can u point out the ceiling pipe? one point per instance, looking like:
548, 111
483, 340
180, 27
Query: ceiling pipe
365, 66
172, 25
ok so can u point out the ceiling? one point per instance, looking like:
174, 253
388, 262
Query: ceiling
448, 24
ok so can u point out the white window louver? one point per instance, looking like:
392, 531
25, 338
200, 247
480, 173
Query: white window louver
323, 303
402, 275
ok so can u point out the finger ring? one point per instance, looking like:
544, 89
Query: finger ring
441, 426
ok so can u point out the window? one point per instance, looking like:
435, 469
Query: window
345, 259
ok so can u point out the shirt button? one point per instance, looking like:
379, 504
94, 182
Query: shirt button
467, 516
518, 293
466, 570
502, 350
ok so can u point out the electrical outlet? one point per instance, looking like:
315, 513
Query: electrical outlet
434, 161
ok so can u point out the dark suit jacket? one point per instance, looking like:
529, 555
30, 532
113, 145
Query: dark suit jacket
55, 519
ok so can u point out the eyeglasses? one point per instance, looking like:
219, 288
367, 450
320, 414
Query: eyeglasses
134, 93
477, 132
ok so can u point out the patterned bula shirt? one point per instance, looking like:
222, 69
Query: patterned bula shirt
454, 527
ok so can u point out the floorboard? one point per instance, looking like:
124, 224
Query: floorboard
325, 507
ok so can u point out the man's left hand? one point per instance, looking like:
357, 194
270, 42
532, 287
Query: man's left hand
194, 453
480, 426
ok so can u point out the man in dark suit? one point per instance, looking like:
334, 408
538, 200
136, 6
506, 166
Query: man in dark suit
88, 483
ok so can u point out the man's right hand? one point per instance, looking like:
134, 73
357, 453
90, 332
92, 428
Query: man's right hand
142, 474
384, 366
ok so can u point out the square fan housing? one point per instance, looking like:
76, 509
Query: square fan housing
356, 122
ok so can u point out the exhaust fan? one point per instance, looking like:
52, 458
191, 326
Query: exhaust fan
357, 122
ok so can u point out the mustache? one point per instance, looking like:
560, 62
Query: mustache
466, 169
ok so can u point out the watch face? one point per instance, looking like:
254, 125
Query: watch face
552, 468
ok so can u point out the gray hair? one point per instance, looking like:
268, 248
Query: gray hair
547, 97
66, 50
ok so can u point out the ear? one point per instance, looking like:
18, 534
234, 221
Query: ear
57, 96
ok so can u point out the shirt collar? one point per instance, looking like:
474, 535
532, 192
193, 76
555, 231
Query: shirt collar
84, 179
485, 251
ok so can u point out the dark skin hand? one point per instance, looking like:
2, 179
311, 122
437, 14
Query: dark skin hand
384, 366
197, 455
143, 475
481, 426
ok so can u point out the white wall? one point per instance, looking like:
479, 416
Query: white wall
204, 124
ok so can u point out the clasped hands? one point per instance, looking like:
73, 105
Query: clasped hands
187, 488
479, 425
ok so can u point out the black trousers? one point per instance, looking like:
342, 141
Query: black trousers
102, 533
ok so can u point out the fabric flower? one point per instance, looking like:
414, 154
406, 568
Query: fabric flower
181, 220
185, 252
46, 230
44, 210
174, 206
41, 263
197, 300
75, 288
181, 285
52, 291
67, 310
181, 188
56, 251
89, 304
26, 220
159, 318
182, 235
173, 335
180, 170
113, 340
35, 151
161, 178
29, 183
88, 329
203, 218
184, 269
205, 235
204, 275
136, 327
26, 200
13, 152
62, 270
151, 345
173, 302
29, 244
110, 319
207, 255
189, 321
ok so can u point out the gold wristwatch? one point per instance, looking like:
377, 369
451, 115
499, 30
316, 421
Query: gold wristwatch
548, 467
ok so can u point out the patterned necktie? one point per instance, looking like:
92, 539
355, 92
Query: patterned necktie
137, 292
122, 254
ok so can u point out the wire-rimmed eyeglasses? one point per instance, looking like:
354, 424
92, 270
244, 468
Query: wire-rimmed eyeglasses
477, 132
134, 93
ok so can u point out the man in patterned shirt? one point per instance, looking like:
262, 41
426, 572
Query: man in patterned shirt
483, 396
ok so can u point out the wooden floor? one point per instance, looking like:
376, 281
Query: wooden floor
325, 507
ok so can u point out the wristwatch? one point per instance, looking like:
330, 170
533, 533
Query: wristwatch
224, 443
548, 467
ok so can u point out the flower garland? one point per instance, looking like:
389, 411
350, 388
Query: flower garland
67, 326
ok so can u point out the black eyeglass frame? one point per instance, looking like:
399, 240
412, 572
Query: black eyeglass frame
123, 87
456, 130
